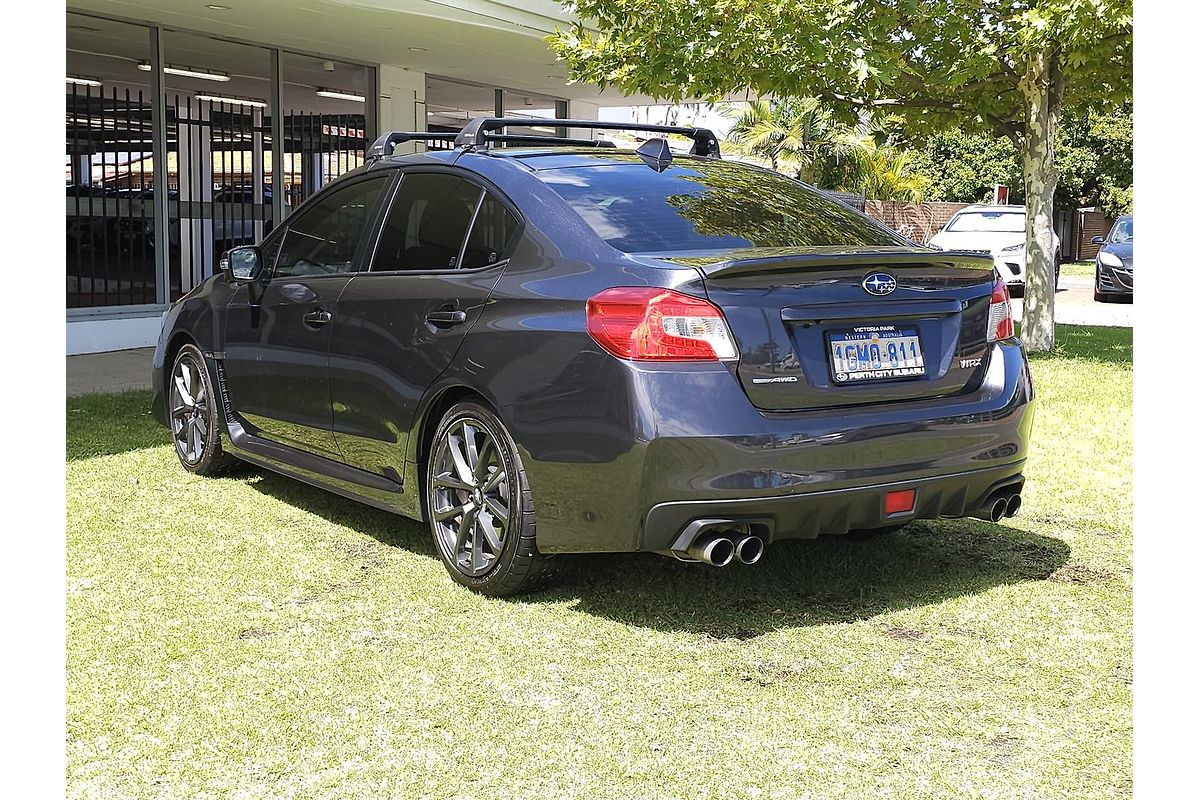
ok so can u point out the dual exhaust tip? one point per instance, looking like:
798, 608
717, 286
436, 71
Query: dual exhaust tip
720, 549
998, 506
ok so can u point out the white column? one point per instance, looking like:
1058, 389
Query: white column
258, 167
195, 185
83, 170
581, 110
401, 102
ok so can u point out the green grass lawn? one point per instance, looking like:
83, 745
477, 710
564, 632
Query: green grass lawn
1078, 269
254, 637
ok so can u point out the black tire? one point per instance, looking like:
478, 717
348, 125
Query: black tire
193, 416
1096, 294
872, 533
507, 562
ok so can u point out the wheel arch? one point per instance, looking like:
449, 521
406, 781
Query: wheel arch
176, 343
439, 403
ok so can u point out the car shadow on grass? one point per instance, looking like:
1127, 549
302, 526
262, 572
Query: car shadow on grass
809, 582
798, 582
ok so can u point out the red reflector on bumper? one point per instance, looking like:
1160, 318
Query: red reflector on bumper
896, 502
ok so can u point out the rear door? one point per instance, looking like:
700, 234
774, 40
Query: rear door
440, 252
277, 334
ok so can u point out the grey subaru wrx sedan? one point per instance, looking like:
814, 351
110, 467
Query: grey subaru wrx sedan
547, 345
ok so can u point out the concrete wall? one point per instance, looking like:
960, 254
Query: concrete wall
102, 334
401, 102
581, 110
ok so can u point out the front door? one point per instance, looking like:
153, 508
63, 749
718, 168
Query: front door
277, 333
440, 254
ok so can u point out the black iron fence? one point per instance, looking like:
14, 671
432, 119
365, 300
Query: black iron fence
220, 185
109, 172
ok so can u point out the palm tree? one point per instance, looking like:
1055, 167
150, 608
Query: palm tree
797, 136
888, 174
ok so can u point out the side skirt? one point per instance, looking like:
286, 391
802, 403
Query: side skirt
324, 473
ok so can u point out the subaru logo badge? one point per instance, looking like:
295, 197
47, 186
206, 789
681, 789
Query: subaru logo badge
879, 284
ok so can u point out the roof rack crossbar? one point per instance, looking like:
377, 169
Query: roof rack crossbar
386, 143
476, 133
536, 140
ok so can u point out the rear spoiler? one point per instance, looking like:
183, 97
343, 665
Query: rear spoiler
879, 259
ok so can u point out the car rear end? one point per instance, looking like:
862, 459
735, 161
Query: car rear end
850, 382
838, 410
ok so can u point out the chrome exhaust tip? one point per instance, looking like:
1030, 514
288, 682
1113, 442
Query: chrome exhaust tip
749, 549
997, 508
992, 509
714, 550
1014, 506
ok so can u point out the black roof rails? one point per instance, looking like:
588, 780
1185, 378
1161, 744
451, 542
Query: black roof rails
476, 133
536, 140
385, 144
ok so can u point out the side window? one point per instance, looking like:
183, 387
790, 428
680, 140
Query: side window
323, 239
490, 235
270, 250
427, 223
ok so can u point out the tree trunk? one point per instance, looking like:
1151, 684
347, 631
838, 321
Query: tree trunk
1041, 88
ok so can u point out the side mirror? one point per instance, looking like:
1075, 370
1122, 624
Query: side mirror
242, 264
1097, 240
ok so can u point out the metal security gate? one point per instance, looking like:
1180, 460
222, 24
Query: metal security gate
110, 176
220, 192
318, 148
169, 164
224, 191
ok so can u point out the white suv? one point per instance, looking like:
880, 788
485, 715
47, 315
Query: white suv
996, 230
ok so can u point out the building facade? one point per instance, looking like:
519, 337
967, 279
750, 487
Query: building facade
193, 127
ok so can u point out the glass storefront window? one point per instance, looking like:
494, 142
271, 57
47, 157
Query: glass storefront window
324, 122
221, 186
109, 165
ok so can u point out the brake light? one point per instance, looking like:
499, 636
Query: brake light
1000, 319
643, 323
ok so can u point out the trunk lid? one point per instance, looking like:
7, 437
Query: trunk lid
785, 306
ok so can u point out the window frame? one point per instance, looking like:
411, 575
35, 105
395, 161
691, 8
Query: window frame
370, 224
477, 181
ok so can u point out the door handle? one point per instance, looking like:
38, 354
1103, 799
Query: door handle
317, 318
446, 317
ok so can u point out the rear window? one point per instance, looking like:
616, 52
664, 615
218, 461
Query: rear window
704, 205
989, 222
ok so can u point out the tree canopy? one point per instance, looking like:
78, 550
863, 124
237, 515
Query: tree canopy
1007, 66
942, 62
1095, 163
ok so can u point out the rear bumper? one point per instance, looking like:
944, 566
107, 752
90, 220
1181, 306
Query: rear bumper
689, 445
837, 511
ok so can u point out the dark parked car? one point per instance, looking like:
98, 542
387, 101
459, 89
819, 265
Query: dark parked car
1114, 262
569, 348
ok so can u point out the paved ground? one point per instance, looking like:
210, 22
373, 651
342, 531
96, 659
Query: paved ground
1073, 305
109, 372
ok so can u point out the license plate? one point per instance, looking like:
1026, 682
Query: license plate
875, 352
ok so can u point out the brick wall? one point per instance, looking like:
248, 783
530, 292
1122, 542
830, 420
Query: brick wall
1088, 224
917, 221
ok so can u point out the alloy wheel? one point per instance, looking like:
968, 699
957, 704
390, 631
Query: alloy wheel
189, 410
470, 505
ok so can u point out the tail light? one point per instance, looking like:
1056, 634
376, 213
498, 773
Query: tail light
643, 323
1000, 319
